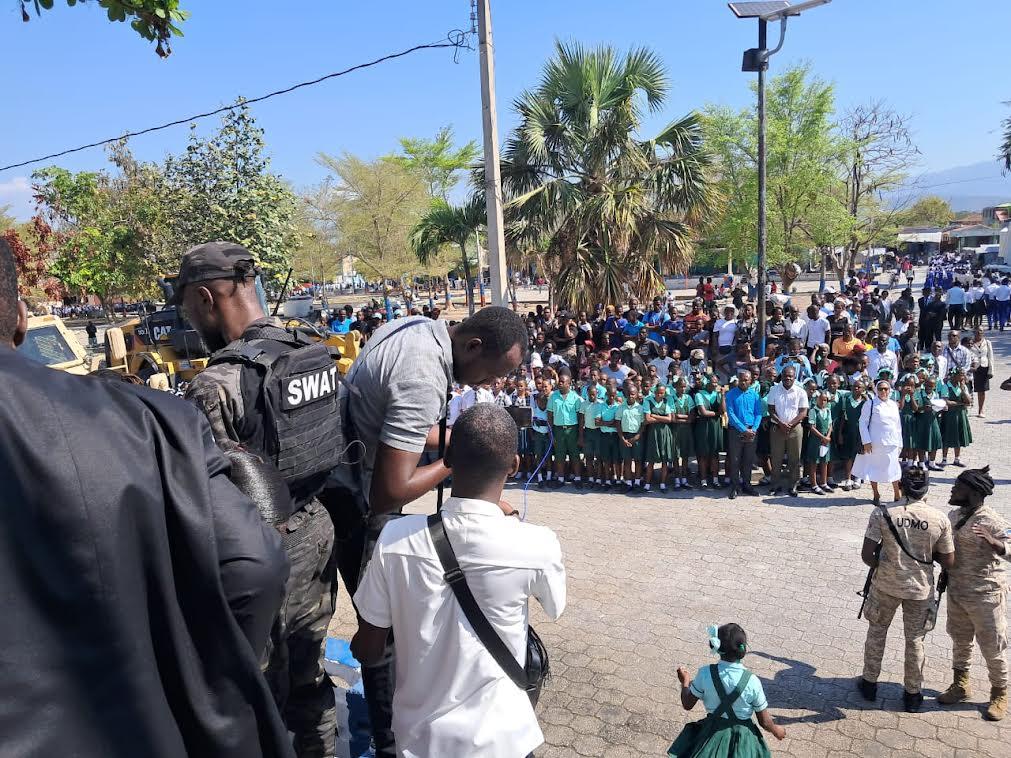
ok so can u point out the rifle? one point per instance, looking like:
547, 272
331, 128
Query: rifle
280, 297
865, 593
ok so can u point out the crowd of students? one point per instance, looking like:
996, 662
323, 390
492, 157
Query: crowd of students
624, 400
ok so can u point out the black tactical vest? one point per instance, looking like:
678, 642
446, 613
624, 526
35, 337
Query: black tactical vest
294, 383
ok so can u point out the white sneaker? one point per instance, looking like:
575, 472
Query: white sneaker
646, 487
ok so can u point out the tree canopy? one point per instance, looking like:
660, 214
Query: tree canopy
616, 209
437, 161
155, 20
927, 211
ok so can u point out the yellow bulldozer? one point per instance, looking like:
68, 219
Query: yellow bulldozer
49, 342
164, 343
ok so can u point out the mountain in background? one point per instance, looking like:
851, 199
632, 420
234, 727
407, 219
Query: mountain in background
966, 188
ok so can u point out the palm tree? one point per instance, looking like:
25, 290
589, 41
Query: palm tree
1005, 149
615, 209
445, 224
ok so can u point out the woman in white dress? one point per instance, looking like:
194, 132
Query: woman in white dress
881, 435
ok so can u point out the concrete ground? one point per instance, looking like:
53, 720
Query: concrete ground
648, 573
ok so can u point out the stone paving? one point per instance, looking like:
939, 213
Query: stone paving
648, 573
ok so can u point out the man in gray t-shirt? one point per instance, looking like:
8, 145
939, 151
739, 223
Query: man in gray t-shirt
393, 399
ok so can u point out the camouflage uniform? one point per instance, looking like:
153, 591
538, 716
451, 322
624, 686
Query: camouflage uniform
293, 660
901, 581
977, 596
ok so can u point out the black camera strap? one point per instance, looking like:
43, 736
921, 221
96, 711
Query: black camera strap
482, 627
898, 539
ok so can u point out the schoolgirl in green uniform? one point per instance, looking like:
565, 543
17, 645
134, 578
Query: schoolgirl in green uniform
660, 437
684, 447
955, 432
630, 420
818, 450
849, 432
909, 408
610, 457
708, 430
835, 404
928, 424
589, 435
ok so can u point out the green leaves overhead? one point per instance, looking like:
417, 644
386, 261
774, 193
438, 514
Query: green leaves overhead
154, 20
444, 224
615, 209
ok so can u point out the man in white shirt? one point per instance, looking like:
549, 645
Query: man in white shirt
1002, 296
788, 405
662, 364
882, 358
452, 698
726, 329
956, 306
817, 329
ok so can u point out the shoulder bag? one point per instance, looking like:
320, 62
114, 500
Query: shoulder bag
529, 677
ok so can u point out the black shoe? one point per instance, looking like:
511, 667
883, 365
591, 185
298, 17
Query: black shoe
733, 493
793, 493
749, 490
912, 701
775, 491
869, 690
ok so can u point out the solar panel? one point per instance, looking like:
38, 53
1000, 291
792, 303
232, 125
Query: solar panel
754, 10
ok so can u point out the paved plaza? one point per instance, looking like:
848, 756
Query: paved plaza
648, 573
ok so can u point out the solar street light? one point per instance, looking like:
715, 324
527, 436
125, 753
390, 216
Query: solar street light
757, 60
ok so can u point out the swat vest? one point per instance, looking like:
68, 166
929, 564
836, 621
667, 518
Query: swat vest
295, 383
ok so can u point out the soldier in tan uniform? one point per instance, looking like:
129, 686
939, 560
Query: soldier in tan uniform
977, 590
903, 576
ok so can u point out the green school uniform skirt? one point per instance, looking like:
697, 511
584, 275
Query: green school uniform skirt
955, 430
660, 448
684, 441
812, 446
708, 436
909, 429
716, 737
850, 443
928, 431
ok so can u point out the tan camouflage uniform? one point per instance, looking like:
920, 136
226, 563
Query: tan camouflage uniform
901, 581
977, 596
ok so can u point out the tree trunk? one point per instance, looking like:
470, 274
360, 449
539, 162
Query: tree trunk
445, 283
512, 289
468, 280
551, 296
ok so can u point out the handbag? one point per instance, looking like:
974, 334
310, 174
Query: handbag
531, 676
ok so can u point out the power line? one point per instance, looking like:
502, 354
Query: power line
945, 184
456, 39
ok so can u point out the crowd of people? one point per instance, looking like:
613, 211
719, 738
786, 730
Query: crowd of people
685, 398
172, 565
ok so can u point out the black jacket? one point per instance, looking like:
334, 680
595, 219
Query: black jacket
134, 577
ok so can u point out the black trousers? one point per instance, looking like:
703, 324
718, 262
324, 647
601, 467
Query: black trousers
355, 543
740, 457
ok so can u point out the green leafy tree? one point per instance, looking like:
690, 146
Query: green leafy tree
221, 188
1005, 148
443, 225
154, 20
437, 161
369, 208
879, 152
927, 211
802, 167
99, 245
7, 221
617, 209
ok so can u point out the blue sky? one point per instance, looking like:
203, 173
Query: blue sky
75, 78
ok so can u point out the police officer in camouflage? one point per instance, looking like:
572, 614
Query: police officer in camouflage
977, 590
901, 544
274, 392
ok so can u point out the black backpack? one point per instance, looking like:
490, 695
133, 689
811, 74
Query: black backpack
296, 389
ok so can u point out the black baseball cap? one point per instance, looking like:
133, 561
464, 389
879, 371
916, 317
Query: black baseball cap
213, 260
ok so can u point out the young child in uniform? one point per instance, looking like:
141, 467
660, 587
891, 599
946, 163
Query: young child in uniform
955, 431
928, 425
681, 407
610, 457
589, 435
731, 696
908, 410
660, 438
819, 444
708, 430
539, 433
629, 421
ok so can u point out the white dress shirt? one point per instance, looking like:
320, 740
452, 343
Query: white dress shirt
877, 360
817, 331
787, 402
452, 698
880, 424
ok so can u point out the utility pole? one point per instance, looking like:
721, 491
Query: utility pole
492, 174
762, 234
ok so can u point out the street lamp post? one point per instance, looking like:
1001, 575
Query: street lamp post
757, 60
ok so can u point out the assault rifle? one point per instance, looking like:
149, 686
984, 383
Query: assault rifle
866, 591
